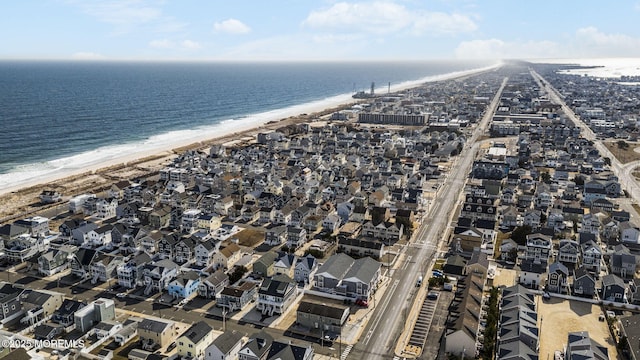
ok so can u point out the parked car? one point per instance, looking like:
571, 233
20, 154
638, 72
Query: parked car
362, 302
121, 295
432, 295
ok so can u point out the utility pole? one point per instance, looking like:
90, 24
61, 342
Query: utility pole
224, 319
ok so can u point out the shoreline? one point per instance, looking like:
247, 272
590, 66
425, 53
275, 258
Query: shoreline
154, 158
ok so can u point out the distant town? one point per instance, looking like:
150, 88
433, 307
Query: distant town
490, 216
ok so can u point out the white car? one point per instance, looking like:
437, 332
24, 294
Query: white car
121, 295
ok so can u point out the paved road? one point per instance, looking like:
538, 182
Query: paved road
382, 332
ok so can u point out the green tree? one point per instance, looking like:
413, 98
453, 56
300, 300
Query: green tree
519, 235
237, 274
622, 144
545, 177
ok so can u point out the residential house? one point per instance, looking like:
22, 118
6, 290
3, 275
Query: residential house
613, 288
100, 236
569, 252
296, 237
80, 234
591, 254
518, 335
209, 222
581, 346
130, 274
331, 223
227, 256
511, 218
205, 252
212, 285
99, 310
557, 278
276, 236
185, 285
305, 268
156, 333
285, 264
634, 291
277, 294
104, 267
55, 260
538, 248
288, 350
584, 283
507, 248
184, 250
360, 247
192, 344
10, 302
345, 276
532, 273
532, 218
384, 230
39, 305
257, 348
265, 265
591, 224
322, 318
225, 347
81, 262
455, 265
629, 233
630, 329
622, 262
236, 297
464, 317
158, 275
65, 314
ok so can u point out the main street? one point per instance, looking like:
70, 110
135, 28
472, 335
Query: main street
623, 172
382, 331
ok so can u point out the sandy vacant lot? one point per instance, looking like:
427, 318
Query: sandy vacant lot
559, 317
505, 277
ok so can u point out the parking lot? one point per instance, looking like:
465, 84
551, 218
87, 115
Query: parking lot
558, 317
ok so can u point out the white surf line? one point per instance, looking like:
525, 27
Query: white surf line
381, 313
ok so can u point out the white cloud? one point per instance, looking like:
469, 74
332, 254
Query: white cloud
126, 15
87, 56
161, 44
231, 26
190, 45
499, 49
383, 17
592, 42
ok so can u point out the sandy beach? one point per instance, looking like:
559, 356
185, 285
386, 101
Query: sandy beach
22, 197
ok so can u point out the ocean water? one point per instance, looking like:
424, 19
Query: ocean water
60, 116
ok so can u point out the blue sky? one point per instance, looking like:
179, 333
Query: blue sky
317, 30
